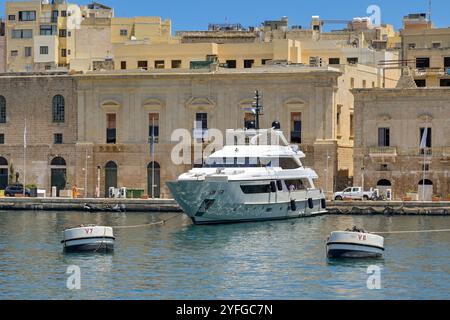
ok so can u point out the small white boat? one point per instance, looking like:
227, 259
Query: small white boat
354, 243
88, 238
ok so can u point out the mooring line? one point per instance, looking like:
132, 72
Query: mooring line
162, 222
418, 231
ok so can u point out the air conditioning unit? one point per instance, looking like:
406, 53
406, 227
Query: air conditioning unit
315, 62
123, 193
114, 192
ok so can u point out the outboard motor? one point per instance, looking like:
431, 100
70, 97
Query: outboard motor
276, 125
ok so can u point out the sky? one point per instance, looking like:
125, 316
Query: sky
197, 14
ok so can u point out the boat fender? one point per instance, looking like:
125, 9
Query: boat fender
279, 185
324, 203
273, 186
311, 203
293, 205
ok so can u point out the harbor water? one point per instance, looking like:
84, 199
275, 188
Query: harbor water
177, 260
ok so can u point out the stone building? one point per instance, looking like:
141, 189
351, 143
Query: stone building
46, 105
116, 112
390, 126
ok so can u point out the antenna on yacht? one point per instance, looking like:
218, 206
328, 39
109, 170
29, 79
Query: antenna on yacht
258, 109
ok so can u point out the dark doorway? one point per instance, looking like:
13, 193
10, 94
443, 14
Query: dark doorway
110, 177
3, 173
154, 178
58, 174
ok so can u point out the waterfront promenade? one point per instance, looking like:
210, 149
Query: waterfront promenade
169, 205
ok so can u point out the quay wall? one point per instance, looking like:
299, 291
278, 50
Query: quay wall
169, 205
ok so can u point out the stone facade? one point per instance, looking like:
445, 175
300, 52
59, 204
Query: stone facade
123, 102
223, 96
29, 99
398, 164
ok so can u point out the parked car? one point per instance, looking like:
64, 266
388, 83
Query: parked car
355, 193
14, 189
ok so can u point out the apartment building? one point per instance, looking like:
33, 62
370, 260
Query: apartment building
426, 50
40, 34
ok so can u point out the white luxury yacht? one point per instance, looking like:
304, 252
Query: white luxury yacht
255, 178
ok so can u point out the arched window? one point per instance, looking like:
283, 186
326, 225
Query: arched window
427, 182
58, 161
58, 109
111, 165
3, 162
384, 183
2, 109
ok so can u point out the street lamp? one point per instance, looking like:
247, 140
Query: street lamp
97, 191
326, 176
85, 175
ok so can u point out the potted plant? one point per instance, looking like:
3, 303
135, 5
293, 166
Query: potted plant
436, 198
33, 190
412, 195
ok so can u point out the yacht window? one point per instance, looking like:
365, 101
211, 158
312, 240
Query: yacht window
288, 164
232, 163
295, 185
256, 189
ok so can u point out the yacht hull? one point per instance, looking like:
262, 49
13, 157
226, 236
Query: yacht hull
223, 202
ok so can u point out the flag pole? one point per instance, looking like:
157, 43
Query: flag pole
153, 157
423, 146
25, 157
424, 162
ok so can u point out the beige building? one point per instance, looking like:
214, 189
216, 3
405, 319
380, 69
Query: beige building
52, 35
134, 55
390, 125
39, 34
427, 51
152, 29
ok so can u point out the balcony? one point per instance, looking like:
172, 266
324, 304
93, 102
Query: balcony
441, 72
48, 19
428, 151
383, 152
